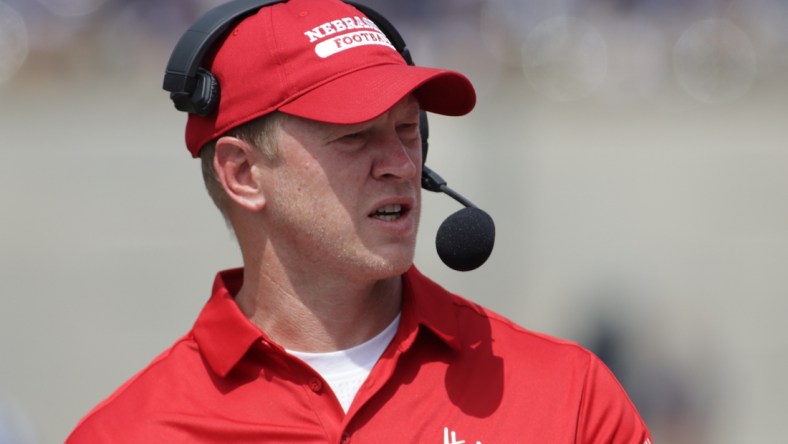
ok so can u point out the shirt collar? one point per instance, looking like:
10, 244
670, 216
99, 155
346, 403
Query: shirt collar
427, 304
224, 334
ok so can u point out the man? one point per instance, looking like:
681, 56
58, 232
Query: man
328, 333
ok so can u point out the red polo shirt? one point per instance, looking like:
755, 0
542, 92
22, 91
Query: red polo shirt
454, 373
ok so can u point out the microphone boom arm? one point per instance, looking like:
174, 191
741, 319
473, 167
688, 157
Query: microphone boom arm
431, 181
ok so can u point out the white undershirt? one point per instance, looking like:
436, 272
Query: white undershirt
346, 370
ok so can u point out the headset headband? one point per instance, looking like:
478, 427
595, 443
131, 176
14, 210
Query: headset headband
181, 79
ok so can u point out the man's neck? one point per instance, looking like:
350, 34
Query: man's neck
318, 315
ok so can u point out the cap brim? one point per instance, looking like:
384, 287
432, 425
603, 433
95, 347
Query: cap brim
367, 93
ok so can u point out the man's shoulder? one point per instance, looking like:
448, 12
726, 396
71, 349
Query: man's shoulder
559, 375
509, 337
141, 397
473, 324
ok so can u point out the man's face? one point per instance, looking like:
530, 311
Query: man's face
347, 198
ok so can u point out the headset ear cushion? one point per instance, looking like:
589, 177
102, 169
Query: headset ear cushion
206, 96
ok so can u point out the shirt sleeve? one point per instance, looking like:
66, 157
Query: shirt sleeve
606, 414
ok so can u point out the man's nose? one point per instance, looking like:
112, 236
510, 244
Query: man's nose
397, 158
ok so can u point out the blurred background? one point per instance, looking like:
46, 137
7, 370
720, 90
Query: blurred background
632, 152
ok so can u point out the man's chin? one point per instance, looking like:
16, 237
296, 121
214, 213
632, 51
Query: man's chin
384, 267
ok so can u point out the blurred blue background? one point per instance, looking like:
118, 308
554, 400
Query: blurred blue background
632, 152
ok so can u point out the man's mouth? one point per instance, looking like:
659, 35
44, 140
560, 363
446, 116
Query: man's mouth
389, 213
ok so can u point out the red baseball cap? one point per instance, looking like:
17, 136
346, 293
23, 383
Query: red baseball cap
321, 60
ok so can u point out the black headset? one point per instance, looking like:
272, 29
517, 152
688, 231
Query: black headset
196, 90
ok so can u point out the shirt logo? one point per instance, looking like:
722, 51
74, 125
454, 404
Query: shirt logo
345, 33
450, 437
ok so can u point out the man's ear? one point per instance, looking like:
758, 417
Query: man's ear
236, 163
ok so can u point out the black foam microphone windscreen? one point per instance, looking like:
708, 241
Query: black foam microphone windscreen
465, 239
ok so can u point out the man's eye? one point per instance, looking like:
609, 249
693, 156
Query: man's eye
353, 137
408, 130
409, 127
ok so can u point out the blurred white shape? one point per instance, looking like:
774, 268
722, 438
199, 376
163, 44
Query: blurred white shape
15, 425
714, 61
505, 24
636, 58
72, 8
565, 58
13, 42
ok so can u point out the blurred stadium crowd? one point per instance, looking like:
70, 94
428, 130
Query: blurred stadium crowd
568, 49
